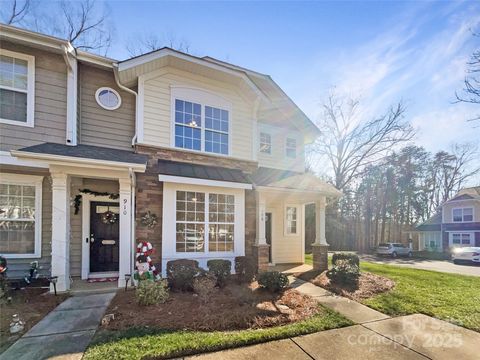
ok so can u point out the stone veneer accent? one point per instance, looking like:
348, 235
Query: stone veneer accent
149, 194
320, 257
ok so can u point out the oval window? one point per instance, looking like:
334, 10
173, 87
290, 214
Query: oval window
108, 98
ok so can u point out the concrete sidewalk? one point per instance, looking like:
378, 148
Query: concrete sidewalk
407, 337
64, 333
358, 313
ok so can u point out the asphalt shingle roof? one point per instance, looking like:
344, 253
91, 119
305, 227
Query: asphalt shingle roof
88, 152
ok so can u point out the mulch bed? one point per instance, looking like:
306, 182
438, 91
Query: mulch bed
31, 304
368, 284
234, 307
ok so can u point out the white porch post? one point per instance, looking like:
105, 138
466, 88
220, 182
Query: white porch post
320, 222
261, 239
125, 250
61, 230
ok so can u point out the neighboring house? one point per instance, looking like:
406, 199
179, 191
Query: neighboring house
91, 145
457, 223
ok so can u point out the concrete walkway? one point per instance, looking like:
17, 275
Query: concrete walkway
358, 313
407, 337
64, 333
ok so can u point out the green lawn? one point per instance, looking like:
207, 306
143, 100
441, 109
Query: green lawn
141, 343
451, 297
309, 259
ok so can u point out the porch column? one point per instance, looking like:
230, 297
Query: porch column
320, 246
125, 246
261, 246
61, 230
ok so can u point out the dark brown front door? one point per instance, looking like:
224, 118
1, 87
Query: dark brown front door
268, 234
104, 230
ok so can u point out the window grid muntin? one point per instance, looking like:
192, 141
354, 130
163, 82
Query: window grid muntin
217, 215
213, 137
17, 219
14, 80
265, 143
291, 148
291, 219
462, 214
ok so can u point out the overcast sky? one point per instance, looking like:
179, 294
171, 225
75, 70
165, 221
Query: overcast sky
382, 52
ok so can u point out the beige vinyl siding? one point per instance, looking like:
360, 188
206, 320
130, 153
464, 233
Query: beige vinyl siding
449, 206
18, 268
285, 248
98, 126
50, 102
157, 109
277, 158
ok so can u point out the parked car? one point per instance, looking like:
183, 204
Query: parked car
394, 250
466, 255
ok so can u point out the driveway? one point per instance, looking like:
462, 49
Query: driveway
425, 264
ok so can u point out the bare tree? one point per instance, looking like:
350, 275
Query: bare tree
15, 12
84, 22
142, 43
471, 90
350, 145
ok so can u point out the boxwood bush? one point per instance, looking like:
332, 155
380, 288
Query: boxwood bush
245, 269
273, 281
220, 269
344, 273
149, 292
349, 257
181, 273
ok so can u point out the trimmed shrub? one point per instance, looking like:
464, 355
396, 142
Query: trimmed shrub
204, 285
273, 281
344, 273
245, 269
352, 259
221, 269
181, 273
151, 292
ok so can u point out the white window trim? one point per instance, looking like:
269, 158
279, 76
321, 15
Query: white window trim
285, 220
17, 179
269, 153
470, 233
204, 98
462, 209
287, 148
30, 89
99, 90
169, 225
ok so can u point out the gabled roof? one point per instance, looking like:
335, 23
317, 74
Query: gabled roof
432, 224
467, 194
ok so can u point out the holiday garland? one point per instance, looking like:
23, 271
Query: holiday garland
78, 198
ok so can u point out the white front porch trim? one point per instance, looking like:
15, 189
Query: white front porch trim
261, 239
125, 251
320, 221
61, 230
204, 182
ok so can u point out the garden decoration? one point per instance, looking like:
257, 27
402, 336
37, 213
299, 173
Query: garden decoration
17, 325
145, 270
3, 277
32, 273
149, 220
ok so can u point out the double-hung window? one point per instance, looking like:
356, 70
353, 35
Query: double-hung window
463, 239
20, 215
204, 218
462, 214
201, 127
16, 88
291, 148
265, 143
291, 220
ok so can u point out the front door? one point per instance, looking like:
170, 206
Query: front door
268, 234
104, 236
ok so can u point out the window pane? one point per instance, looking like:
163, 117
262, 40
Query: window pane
291, 219
13, 105
291, 148
190, 218
216, 130
17, 237
468, 214
265, 143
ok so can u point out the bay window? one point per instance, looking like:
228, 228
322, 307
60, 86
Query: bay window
20, 215
201, 127
16, 88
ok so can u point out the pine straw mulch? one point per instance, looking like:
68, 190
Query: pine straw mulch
234, 307
368, 284
32, 304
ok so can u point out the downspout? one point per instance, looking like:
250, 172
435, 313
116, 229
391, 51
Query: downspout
72, 83
134, 93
